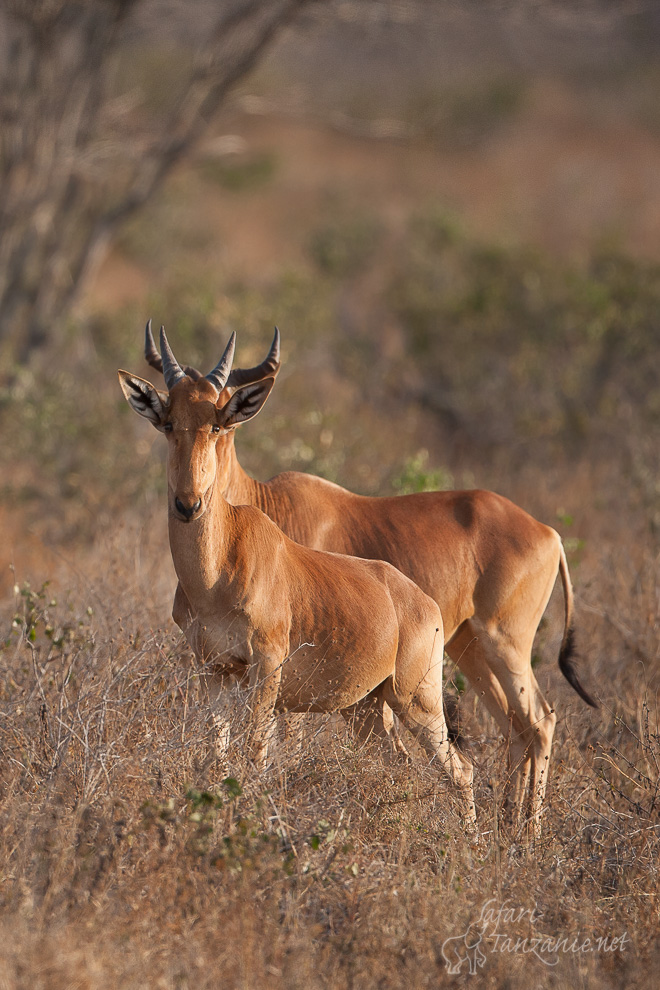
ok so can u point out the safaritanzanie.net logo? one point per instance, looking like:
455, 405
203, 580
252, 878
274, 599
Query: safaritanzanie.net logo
505, 928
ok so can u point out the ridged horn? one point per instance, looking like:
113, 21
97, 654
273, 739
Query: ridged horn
220, 373
151, 354
173, 373
153, 358
267, 369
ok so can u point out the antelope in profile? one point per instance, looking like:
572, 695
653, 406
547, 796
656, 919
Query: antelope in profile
489, 566
307, 630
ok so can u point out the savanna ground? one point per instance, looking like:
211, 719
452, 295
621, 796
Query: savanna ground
474, 306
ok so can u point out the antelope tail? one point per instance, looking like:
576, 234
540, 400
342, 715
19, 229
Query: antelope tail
567, 658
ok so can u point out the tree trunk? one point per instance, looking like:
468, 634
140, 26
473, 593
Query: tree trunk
74, 163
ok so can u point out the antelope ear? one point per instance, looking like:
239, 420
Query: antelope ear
245, 403
144, 398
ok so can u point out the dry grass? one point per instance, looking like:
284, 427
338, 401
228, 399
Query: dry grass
126, 861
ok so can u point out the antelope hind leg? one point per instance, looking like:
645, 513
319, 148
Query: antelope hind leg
504, 679
415, 695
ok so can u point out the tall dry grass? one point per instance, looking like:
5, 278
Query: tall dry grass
129, 858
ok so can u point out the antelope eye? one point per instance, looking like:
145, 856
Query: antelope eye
215, 428
167, 427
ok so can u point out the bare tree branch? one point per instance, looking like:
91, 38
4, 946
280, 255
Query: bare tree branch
69, 172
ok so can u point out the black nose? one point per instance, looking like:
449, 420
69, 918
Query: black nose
187, 511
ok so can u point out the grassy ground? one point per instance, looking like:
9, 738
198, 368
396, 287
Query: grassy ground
419, 352
131, 860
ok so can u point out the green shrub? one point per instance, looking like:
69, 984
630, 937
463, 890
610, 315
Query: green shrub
242, 173
416, 476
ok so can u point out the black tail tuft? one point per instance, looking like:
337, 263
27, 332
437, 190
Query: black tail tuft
567, 667
453, 720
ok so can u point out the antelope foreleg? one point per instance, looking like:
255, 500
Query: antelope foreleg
265, 681
222, 700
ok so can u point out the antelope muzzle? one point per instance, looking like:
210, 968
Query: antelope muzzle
187, 508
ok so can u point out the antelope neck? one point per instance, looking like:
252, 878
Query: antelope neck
200, 548
236, 485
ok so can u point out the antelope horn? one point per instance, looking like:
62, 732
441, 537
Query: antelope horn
154, 359
220, 373
267, 368
173, 373
150, 352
